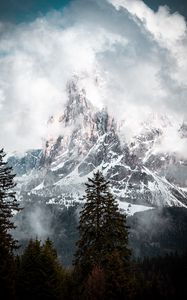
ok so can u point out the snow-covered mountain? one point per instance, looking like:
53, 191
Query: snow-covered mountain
89, 139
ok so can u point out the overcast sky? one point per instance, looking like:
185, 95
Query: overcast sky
135, 49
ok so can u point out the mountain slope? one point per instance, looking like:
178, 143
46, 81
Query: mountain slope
89, 139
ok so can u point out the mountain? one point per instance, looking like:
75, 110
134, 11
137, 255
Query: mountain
149, 183
87, 139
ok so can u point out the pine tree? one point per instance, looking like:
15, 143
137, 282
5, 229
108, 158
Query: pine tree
8, 206
103, 233
40, 275
95, 285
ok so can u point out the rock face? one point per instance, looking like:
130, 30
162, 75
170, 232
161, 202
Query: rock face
90, 140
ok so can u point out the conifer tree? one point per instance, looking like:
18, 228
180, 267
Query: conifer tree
8, 206
95, 285
40, 275
103, 233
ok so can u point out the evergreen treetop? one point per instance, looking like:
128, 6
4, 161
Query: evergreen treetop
102, 227
8, 204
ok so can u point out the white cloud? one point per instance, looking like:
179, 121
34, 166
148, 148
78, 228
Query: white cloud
169, 31
171, 142
137, 55
166, 28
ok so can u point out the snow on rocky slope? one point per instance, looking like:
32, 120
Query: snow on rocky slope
89, 140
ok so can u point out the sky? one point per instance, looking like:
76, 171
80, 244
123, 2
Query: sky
26, 10
136, 49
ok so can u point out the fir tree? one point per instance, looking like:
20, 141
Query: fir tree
103, 234
95, 285
8, 206
40, 275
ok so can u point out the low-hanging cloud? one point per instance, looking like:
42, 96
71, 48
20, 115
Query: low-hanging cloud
129, 58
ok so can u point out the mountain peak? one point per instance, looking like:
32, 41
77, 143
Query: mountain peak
77, 103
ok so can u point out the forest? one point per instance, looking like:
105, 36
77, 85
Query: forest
103, 267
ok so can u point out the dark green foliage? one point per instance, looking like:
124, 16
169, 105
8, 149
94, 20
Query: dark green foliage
7, 272
8, 205
162, 277
103, 238
95, 286
40, 275
152, 278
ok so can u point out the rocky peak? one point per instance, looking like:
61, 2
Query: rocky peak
88, 139
104, 122
77, 104
183, 130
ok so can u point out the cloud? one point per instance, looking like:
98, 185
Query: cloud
167, 28
138, 57
169, 31
171, 141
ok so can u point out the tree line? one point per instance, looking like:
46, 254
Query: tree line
103, 267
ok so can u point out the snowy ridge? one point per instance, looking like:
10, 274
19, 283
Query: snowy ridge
89, 140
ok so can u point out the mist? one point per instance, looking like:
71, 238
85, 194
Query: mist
129, 59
